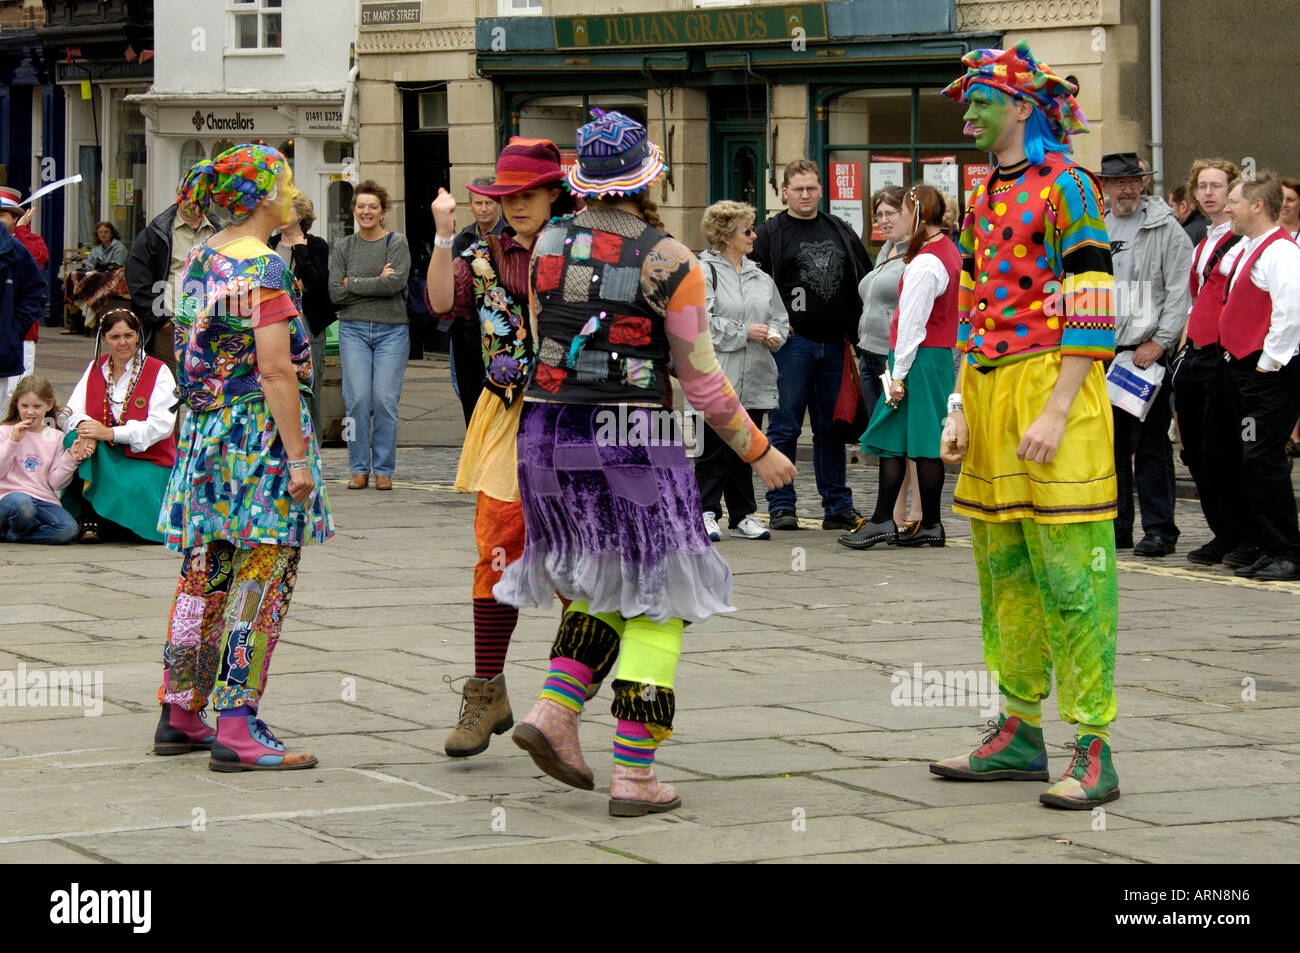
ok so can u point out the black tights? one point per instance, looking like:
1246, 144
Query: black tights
929, 478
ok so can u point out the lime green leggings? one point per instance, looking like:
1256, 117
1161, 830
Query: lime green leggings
1049, 597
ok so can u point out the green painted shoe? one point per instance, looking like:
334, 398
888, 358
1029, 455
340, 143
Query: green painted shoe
1088, 781
1012, 751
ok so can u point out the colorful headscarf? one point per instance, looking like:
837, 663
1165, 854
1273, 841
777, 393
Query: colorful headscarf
236, 180
1017, 72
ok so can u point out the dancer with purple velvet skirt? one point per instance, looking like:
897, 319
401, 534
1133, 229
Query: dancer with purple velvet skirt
611, 506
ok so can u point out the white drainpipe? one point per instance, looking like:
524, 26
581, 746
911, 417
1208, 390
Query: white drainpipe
1157, 105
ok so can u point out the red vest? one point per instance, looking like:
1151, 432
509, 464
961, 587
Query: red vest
941, 328
1207, 301
163, 453
1248, 310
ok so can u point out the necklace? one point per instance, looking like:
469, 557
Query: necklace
107, 416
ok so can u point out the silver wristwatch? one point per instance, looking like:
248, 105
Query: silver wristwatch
440, 242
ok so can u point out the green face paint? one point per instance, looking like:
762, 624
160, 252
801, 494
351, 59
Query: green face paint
985, 118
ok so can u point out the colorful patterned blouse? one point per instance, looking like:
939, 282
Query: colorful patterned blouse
226, 294
1036, 267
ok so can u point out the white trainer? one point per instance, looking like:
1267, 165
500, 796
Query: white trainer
711, 527
750, 528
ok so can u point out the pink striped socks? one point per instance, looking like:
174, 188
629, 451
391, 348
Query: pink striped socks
634, 746
567, 683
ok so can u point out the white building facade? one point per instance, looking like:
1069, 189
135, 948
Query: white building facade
277, 72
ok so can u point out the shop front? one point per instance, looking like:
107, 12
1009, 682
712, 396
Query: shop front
734, 94
189, 130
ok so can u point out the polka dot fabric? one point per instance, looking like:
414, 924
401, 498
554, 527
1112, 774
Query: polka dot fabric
236, 180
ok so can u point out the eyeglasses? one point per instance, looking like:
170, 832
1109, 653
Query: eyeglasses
884, 214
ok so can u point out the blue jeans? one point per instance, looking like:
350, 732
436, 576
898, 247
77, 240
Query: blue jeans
24, 519
808, 380
373, 359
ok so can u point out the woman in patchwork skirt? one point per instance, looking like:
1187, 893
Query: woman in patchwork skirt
246, 493
611, 507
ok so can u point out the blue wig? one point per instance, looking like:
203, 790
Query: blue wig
1038, 135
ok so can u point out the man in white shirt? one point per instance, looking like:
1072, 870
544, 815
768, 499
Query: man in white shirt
1152, 256
1209, 421
1260, 330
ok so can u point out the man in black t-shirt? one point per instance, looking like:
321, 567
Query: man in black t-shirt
816, 261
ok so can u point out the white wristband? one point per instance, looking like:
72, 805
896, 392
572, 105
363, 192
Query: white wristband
440, 242
954, 403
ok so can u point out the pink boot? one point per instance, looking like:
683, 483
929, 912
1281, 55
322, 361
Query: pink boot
636, 791
180, 730
246, 744
550, 735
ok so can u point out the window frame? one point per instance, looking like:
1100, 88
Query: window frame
504, 9
255, 8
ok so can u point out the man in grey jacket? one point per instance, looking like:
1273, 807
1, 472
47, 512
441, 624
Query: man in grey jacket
1152, 257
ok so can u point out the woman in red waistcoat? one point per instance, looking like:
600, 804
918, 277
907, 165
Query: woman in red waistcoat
125, 405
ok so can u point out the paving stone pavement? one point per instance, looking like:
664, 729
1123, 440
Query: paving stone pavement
788, 746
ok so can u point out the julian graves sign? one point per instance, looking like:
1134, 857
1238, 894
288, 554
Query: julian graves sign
734, 25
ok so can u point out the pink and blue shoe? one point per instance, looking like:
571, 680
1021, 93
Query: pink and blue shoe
244, 743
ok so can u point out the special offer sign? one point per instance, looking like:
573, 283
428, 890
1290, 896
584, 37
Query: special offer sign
846, 193
974, 176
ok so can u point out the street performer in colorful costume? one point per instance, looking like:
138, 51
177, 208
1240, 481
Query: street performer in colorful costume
1038, 479
488, 284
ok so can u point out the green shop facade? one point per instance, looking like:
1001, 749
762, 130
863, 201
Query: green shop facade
733, 94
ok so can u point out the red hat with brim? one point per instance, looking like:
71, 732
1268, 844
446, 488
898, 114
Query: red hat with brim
524, 164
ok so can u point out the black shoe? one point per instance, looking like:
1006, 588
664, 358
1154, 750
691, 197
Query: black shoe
1279, 570
1153, 545
1123, 541
870, 534
1248, 572
783, 519
1209, 554
1243, 554
845, 519
934, 536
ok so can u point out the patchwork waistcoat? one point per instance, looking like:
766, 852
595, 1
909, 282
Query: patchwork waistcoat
600, 325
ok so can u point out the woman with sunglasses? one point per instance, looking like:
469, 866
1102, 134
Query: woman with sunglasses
747, 322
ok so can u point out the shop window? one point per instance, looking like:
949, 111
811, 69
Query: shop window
222, 145
192, 153
558, 117
124, 165
900, 137
338, 211
286, 150
336, 151
433, 110
519, 8
255, 24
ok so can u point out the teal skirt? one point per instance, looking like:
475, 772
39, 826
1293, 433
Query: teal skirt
121, 489
231, 482
912, 429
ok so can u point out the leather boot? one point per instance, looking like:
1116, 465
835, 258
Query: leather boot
550, 735
246, 744
484, 712
180, 730
634, 792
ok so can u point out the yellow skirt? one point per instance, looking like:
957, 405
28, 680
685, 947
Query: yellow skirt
1078, 486
489, 461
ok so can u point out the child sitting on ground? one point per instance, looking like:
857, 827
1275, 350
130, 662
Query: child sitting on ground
34, 468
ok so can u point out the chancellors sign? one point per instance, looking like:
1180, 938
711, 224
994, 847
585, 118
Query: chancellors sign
766, 24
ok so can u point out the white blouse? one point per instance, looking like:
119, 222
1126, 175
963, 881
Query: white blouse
139, 435
924, 279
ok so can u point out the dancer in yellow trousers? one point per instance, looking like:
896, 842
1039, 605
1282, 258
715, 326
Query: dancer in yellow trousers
1033, 418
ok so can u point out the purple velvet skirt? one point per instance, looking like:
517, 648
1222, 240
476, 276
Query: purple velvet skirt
611, 520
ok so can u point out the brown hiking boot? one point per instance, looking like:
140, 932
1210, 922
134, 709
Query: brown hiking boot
484, 712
